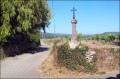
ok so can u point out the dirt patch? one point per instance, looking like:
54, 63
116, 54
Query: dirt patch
106, 60
96, 44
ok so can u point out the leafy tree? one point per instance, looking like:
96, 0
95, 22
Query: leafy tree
110, 37
79, 36
104, 37
96, 37
23, 17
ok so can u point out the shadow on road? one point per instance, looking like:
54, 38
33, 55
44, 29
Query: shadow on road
31, 51
38, 50
117, 77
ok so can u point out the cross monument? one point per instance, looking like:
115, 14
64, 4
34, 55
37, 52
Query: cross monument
73, 12
74, 22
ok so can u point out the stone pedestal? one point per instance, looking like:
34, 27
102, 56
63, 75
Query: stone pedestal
73, 43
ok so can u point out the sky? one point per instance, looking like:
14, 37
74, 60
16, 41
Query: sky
93, 17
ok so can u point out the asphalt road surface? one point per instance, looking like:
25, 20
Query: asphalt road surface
24, 65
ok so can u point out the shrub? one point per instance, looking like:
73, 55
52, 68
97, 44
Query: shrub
73, 58
55, 43
82, 49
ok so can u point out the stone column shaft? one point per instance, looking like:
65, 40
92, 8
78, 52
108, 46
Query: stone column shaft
74, 33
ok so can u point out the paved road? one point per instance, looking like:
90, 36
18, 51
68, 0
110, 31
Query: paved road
25, 65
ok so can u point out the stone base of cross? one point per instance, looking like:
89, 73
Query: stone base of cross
73, 45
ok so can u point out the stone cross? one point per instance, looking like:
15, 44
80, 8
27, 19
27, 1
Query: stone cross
73, 43
74, 12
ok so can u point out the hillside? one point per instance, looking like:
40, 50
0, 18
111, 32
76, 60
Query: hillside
51, 35
111, 33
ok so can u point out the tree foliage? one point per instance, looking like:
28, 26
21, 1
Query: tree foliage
23, 17
79, 36
105, 37
96, 37
110, 37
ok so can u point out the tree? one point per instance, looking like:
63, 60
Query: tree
79, 36
96, 37
110, 37
23, 17
103, 37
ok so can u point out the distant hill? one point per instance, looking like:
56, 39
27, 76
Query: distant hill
88, 35
111, 33
51, 35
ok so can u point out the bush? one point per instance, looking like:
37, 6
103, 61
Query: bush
82, 49
55, 43
73, 58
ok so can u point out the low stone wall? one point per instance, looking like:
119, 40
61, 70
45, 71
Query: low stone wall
11, 50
